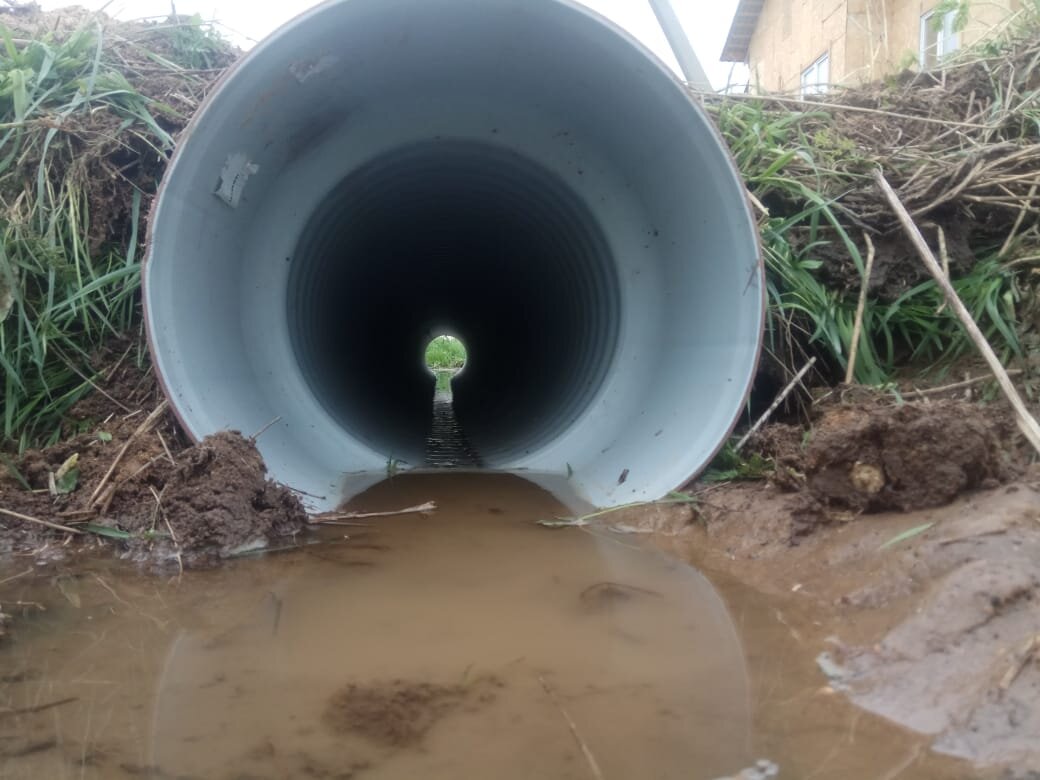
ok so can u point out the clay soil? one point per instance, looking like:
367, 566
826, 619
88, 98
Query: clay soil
871, 454
141, 487
929, 618
900, 540
900, 545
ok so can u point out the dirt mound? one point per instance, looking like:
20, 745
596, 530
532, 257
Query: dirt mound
128, 475
216, 498
874, 458
137, 484
399, 713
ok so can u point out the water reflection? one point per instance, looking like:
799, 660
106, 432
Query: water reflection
468, 643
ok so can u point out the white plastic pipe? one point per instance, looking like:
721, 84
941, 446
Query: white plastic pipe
519, 173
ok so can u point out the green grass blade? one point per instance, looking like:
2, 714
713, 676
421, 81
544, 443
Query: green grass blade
908, 534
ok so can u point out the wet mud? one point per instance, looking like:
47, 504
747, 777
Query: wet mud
470, 642
131, 490
929, 619
216, 500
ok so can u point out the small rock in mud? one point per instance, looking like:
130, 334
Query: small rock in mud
399, 713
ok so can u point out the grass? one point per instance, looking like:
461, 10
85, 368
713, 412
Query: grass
81, 150
809, 167
88, 115
729, 466
778, 153
908, 534
445, 352
445, 355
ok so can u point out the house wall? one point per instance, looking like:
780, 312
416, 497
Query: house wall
867, 39
790, 36
984, 18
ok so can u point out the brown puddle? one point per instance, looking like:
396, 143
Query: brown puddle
467, 643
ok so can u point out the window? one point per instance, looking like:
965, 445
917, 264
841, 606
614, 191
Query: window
939, 37
816, 77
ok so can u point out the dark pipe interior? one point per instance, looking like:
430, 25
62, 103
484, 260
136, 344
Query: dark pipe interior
464, 238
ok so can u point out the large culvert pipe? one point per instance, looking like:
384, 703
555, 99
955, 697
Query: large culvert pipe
520, 173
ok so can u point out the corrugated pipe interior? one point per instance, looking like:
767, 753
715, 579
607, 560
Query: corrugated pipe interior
518, 173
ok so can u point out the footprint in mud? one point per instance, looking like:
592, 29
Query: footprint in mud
399, 713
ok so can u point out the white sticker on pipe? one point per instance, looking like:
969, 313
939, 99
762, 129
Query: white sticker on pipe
305, 69
233, 178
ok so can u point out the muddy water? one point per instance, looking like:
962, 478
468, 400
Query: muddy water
466, 643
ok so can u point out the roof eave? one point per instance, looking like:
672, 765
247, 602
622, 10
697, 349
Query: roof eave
745, 20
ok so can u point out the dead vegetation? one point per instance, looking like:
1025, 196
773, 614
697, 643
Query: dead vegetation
133, 480
89, 110
961, 147
92, 113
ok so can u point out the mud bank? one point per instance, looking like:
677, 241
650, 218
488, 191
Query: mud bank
132, 482
929, 618
896, 545
923, 612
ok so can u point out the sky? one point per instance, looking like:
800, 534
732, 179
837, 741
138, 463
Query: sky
248, 21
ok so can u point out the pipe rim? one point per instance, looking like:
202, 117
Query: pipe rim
229, 75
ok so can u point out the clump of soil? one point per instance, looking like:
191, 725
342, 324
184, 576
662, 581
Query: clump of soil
876, 458
160, 496
399, 713
216, 498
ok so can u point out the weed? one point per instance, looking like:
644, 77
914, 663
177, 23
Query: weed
194, 43
81, 147
445, 352
908, 534
729, 465
791, 160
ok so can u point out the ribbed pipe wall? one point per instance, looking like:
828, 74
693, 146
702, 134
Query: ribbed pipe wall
461, 238
519, 173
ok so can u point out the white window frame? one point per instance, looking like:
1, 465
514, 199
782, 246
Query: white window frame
816, 78
937, 41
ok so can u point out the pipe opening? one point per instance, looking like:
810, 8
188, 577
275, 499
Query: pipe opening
445, 353
516, 173
462, 237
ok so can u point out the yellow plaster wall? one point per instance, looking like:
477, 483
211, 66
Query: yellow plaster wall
791, 35
867, 39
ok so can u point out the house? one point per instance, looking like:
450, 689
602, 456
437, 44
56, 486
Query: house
804, 46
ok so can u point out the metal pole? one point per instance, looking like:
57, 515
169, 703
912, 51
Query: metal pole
684, 53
